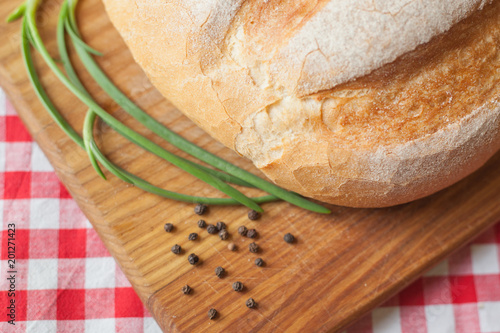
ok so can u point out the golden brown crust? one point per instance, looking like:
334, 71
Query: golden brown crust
402, 132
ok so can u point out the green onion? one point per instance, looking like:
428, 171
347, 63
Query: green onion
67, 23
122, 174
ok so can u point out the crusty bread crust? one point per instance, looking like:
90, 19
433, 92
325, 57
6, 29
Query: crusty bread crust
397, 131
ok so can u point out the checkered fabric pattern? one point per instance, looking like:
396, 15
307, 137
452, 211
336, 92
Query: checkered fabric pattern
66, 281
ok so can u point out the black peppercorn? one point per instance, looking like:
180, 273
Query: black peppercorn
193, 259
252, 247
220, 225
252, 233
237, 286
251, 303
211, 229
289, 238
193, 236
242, 230
168, 227
200, 209
202, 224
253, 215
231, 247
186, 290
223, 234
220, 272
259, 262
176, 249
212, 313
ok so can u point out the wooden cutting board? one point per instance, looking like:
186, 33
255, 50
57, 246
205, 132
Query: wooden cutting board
341, 267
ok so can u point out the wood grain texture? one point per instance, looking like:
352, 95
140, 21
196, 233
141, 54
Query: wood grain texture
341, 266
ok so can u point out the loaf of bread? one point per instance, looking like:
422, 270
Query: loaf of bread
357, 103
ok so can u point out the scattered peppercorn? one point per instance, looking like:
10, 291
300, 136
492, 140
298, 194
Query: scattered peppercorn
193, 236
211, 229
251, 303
237, 286
193, 259
202, 224
220, 225
220, 272
259, 262
200, 209
252, 233
253, 215
186, 290
169, 227
176, 249
212, 313
231, 247
242, 230
289, 238
223, 234
252, 247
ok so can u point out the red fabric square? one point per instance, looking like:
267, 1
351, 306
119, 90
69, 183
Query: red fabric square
461, 262
21, 244
20, 301
487, 288
63, 192
497, 232
466, 318
42, 305
463, 289
437, 290
71, 273
71, 304
95, 247
413, 319
413, 294
100, 303
127, 303
72, 243
393, 301
487, 237
39, 239
17, 185
44, 185
70, 326
15, 130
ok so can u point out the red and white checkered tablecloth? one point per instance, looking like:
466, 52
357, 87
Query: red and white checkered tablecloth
66, 281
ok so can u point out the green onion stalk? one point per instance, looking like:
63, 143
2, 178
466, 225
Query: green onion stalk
226, 172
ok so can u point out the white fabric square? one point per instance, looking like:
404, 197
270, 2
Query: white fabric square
386, 320
18, 156
41, 326
39, 162
99, 273
489, 317
151, 326
42, 274
3, 107
2, 156
44, 213
440, 269
485, 259
100, 325
440, 318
